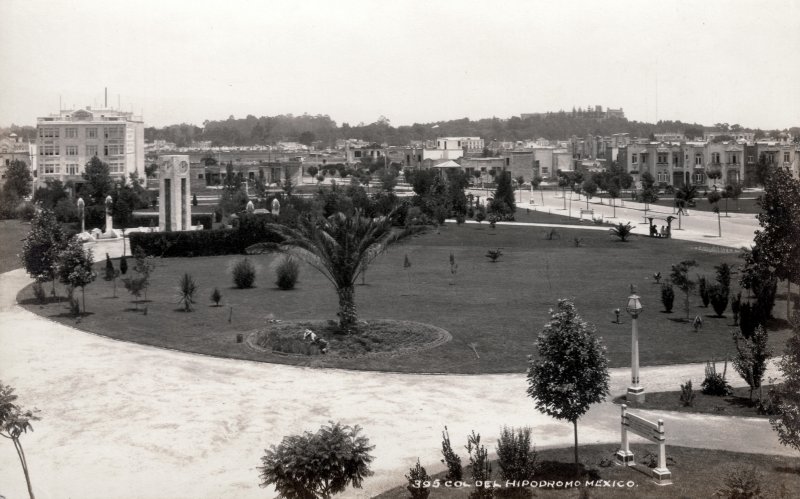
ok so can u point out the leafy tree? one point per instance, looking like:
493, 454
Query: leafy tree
685, 196
340, 247
312, 171
503, 202
571, 371
50, 194
98, 183
479, 465
622, 231
14, 421
718, 296
680, 278
416, 477
111, 273
41, 247
649, 192
516, 455
18, 179
787, 420
667, 297
143, 266
589, 189
777, 243
317, 465
123, 265
74, 267
751, 357
307, 138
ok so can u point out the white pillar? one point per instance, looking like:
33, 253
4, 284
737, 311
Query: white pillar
635, 391
624, 456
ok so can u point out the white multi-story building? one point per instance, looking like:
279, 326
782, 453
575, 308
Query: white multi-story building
68, 140
471, 144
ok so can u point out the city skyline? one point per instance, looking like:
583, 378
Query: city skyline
408, 61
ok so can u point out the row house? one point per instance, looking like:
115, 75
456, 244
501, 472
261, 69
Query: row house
678, 164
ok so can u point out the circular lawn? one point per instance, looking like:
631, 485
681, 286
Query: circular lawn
493, 311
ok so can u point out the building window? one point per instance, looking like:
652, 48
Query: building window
786, 157
91, 151
698, 160
48, 133
715, 158
71, 150
699, 178
750, 159
734, 159
663, 177
51, 169
70, 133
72, 169
91, 133
769, 157
662, 158
48, 151
634, 158
113, 150
114, 132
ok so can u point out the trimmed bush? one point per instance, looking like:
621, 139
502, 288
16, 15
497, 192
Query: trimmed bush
667, 297
244, 274
216, 297
187, 288
287, 272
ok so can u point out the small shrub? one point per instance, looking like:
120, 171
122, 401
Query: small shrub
244, 274
516, 455
494, 255
416, 476
135, 286
667, 297
451, 459
39, 292
25, 211
287, 272
742, 483
216, 297
480, 216
687, 394
715, 383
718, 295
577, 241
187, 290
317, 464
552, 235
123, 265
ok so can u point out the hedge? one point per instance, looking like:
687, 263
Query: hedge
251, 230
204, 219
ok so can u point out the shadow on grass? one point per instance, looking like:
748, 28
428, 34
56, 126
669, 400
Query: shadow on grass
788, 469
47, 301
556, 470
70, 315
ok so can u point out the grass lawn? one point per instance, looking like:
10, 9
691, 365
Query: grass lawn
738, 404
494, 311
695, 473
14, 232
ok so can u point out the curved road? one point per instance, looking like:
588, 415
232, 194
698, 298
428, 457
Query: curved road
124, 420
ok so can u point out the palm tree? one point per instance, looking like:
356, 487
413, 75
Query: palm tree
622, 231
340, 247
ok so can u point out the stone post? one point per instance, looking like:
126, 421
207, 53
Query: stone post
82, 214
109, 220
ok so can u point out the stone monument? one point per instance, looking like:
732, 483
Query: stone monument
109, 219
174, 190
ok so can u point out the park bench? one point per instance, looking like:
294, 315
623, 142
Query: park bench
584, 211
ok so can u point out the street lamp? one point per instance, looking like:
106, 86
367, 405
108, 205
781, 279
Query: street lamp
634, 308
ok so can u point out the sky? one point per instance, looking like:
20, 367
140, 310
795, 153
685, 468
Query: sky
708, 62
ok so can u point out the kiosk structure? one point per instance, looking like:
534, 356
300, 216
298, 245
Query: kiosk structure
174, 190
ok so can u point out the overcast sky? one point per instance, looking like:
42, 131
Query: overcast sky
411, 61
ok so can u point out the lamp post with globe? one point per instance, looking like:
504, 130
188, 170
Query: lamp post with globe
634, 308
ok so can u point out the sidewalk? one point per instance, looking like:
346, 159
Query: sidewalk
121, 419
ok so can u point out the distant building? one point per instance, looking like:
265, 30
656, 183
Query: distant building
68, 140
669, 137
740, 136
471, 144
12, 149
